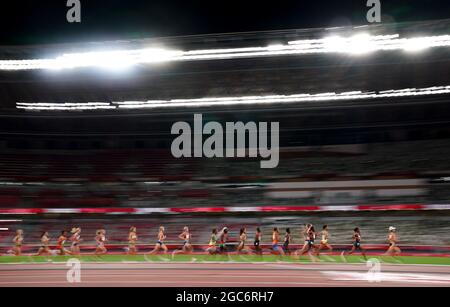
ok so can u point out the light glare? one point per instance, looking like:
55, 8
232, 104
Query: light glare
355, 45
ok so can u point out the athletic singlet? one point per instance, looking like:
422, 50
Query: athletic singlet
223, 241
257, 239
306, 235
324, 237
132, 237
392, 239
161, 238
213, 240
187, 238
287, 240
243, 238
44, 241
357, 239
101, 240
18, 240
61, 241
75, 239
311, 237
274, 239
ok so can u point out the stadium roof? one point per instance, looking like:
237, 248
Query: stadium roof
266, 76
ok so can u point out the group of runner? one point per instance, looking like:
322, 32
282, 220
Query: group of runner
218, 242
74, 237
313, 249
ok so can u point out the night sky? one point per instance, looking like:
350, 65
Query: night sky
38, 21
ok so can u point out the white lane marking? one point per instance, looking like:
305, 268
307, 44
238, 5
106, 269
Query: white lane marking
389, 277
327, 258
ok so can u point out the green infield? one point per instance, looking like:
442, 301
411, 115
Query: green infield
223, 258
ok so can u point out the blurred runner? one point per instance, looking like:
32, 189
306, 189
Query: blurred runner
160, 242
212, 246
392, 239
324, 241
305, 236
257, 242
44, 248
60, 243
132, 240
356, 243
310, 236
76, 240
100, 238
223, 239
18, 240
275, 240
187, 246
242, 240
287, 241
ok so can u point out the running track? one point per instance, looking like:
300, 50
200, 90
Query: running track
221, 275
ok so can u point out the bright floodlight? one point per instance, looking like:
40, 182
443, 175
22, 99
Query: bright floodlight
360, 44
109, 60
354, 45
335, 44
416, 44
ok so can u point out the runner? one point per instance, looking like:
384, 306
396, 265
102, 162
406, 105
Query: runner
356, 243
287, 241
132, 240
76, 240
309, 235
160, 243
212, 248
44, 248
18, 240
223, 238
275, 239
324, 241
242, 239
100, 238
187, 246
257, 242
393, 249
60, 243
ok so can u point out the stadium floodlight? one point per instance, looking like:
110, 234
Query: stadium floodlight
114, 59
242, 100
361, 43
333, 44
109, 60
416, 44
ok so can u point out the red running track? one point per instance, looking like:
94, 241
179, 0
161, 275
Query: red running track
222, 275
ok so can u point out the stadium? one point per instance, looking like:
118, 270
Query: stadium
363, 141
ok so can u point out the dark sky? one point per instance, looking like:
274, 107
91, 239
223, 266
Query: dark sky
39, 21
